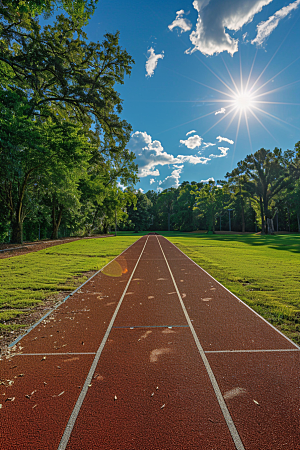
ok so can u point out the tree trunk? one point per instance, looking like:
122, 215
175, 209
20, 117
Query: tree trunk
242, 211
17, 232
262, 216
55, 223
289, 219
169, 215
243, 218
298, 219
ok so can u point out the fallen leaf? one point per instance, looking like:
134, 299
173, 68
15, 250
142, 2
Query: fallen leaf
116, 398
255, 402
10, 399
162, 406
43, 358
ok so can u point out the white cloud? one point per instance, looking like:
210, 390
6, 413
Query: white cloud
221, 111
207, 144
150, 154
152, 61
192, 142
215, 17
264, 29
152, 180
191, 132
192, 159
144, 172
223, 150
172, 180
221, 139
141, 190
208, 179
180, 22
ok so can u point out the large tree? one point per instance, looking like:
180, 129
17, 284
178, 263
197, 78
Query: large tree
267, 173
53, 81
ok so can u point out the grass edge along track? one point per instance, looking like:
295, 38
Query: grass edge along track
263, 271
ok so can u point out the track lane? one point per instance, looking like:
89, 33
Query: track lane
256, 367
150, 389
38, 393
150, 346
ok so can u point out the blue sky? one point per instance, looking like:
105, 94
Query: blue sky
190, 118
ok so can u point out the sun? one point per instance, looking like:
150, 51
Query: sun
243, 101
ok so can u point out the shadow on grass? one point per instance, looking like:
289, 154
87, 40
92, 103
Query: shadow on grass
287, 242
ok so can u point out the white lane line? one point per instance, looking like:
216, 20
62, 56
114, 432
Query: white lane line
65, 299
255, 351
231, 426
68, 430
55, 354
241, 301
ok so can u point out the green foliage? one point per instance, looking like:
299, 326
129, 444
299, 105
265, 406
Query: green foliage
60, 113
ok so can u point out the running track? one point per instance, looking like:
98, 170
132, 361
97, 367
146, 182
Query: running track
151, 354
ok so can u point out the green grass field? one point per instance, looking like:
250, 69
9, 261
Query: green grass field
27, 280
264, 271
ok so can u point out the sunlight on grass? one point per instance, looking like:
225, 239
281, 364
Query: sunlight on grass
263, 271
27, 280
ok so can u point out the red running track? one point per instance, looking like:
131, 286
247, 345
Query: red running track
151, 354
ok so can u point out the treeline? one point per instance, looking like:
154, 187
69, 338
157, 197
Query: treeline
62, 141
261, 194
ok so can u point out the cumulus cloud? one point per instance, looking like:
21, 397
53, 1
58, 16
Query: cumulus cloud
141, 190
215, 17
223, 139
192, 142
180, 22
208, 179
150, 154
264, 29
223, 150
152, 180
152, 61
172, 180
221, 111
207, 144
191, 132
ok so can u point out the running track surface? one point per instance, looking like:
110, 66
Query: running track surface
151, 354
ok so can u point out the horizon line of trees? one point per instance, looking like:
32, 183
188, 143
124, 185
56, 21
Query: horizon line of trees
261, 194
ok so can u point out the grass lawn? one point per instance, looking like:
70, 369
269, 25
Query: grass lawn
27, 280
264, 271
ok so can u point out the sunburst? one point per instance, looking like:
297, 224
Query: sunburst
243, 99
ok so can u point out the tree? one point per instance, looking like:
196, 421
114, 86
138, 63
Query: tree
139, 215
54, 86
79, 10
267, 174
183, 210
165, 203
236, 184
209, 203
